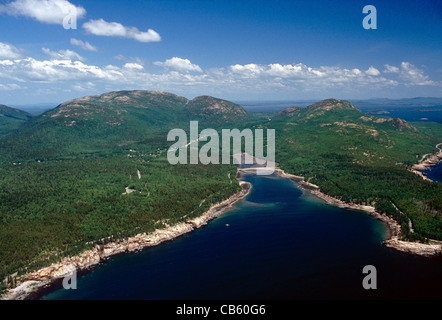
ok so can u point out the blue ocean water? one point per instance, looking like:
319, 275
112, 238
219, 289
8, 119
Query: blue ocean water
409, 113
433, 113
277, 244
435, 173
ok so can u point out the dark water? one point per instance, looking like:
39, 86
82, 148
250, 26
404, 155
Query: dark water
410, 113
435, 173
279, 245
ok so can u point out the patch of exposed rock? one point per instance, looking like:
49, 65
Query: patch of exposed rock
329, 104
213, 108
401, 124
289, 112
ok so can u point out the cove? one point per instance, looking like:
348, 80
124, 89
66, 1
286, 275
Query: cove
435, 173
278, 243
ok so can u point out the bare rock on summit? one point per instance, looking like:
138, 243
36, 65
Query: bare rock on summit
331, 104
216, 110
289, 112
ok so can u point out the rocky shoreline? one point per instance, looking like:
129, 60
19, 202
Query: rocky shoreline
31, 283
432, 161
415, 248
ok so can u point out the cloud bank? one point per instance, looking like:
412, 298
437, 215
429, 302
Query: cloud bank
68, 69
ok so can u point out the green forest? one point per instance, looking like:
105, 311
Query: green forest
64, 174
362, 160
52, 209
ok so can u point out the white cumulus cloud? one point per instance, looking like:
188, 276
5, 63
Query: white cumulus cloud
414, 75
391, 69
114, 29
8, 51
46, 11
410, 75
180, 64
63, 54
302, 76
49, 71
83, 45
372, 71
252, 70
135, 66
65, 69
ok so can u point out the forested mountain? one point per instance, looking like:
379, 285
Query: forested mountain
64, 175
11, 119
363, 159
216, 111
105, 123
289, 112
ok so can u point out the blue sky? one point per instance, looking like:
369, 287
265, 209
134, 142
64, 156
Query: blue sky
237, 50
